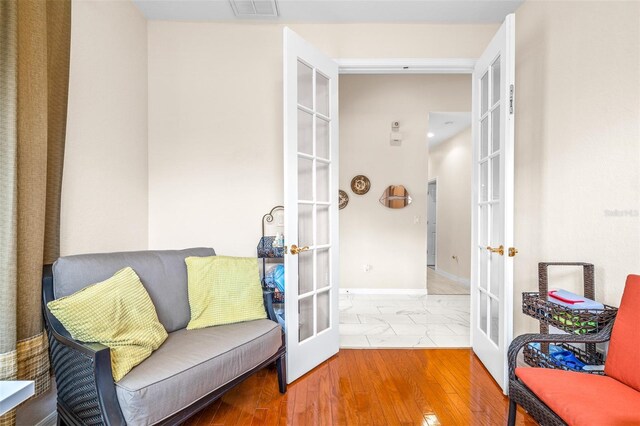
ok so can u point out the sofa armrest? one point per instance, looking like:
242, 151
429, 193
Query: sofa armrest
519, 342
268, 304
84, 379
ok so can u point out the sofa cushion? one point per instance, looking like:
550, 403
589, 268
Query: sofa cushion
117, 313
192, 363
623, 358
163, 274
583, 399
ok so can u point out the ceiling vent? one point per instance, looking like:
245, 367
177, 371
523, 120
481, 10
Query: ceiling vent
254, 8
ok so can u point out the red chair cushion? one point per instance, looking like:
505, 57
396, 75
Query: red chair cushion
583, 399
623, 358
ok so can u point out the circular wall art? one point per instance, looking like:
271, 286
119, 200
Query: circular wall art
343, 199
360, 185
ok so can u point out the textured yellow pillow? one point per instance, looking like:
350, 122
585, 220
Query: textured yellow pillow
223, 290
117, 313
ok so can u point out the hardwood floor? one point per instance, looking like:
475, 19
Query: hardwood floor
371, 387
439, 284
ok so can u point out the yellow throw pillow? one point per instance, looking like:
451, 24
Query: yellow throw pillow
117, 313
223, 290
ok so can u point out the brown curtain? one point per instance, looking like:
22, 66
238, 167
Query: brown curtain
34, 81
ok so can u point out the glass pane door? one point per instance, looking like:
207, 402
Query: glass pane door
489, 205
314, 202
492, 273
311, 201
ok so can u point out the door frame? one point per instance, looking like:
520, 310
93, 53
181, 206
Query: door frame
435, 258
406, 65
385, 66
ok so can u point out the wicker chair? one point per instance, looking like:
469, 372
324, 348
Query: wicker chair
559, 397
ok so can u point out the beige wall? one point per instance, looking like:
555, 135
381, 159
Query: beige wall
215, 129
577, 142
450, 163
215, 117
370, 234
104, 188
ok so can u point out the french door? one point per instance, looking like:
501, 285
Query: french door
492, 217
311, 205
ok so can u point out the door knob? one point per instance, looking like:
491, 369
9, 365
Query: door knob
512, 251
499, 250
295, 249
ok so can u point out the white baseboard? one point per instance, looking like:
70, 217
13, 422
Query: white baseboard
419, 291
50, 420
463, 281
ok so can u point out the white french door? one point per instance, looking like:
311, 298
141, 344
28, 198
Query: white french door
311, 205
492, 218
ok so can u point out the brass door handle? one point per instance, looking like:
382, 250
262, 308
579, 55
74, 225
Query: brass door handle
295, 249
499, 250
512, 251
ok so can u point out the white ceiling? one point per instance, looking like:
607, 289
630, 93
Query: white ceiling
445, 125
437, 11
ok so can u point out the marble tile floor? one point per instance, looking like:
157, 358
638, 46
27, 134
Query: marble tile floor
404, 321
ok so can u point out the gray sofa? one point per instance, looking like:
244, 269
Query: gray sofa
190, 370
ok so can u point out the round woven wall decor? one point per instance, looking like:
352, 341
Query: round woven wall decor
343, 199
360, 185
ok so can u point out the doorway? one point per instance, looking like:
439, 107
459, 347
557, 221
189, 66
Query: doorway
492, 201
384, 301
448, 210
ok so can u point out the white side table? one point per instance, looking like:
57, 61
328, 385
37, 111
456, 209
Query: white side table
14, 392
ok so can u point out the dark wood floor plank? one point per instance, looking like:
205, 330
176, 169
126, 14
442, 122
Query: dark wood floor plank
405, 407
362, 393
481, 379
206, 415
324, 395
479, 404
300, 406
457, 372
443, 411
442, 374
354, 416
339, 405
467, 365
247, 400
268, 404
380, 391
431, 387
229, 411
367, 373
408, 391
259, 417
286, 407
411, 382
312, 407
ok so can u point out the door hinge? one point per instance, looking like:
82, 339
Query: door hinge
511, 99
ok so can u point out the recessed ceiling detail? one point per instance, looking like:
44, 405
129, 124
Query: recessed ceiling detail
254, 8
